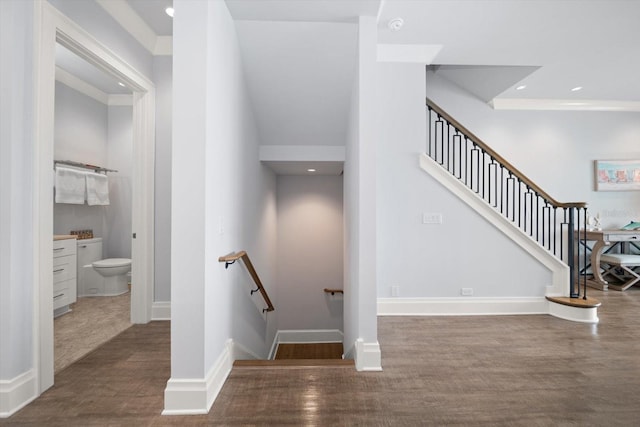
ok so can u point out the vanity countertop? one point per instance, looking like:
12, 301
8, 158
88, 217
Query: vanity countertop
63, 236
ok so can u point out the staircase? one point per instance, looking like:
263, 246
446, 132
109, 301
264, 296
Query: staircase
552, 231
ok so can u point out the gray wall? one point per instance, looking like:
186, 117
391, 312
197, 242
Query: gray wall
310, 251
88, 131
555, 149
162, 77
434, 260
80, 135
16, 172
223, 200
119, 157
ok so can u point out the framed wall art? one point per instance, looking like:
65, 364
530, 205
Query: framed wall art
617, 175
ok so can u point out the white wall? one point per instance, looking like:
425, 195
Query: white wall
162, 77
88, 131
81, 130
310, 252
80, 135
119, 157
434, 260
223, 200
556, 149
16, 252
360, 317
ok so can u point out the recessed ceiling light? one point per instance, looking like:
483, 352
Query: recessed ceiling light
121, 84
521, 87
169, 11
395, 24
577, 88
311, 170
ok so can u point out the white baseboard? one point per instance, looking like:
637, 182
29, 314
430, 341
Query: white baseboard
161, 310
196, 395
368, 356
16, 393
304, 336
239, 352
461, 306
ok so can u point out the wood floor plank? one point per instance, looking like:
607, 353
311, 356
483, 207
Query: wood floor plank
325, 350
463, 371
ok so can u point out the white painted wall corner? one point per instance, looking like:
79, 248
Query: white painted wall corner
368, 356
16, 393
192, 396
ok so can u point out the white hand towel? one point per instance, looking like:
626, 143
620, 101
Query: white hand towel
97, 189
70, 186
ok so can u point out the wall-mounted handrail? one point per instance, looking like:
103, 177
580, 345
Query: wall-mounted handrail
333, 291
231, 258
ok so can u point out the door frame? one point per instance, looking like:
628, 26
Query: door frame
51, 27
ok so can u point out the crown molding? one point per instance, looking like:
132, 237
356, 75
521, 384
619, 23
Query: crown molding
126, 16
91, 91
564, 105
408, 53
120, 100
81, 86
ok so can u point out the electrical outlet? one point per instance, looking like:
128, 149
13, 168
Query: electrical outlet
466, 292
431, 218
395, 291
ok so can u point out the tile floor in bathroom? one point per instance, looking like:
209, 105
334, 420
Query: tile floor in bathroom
92, 322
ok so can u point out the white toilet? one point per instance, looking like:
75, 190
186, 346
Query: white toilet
97, 276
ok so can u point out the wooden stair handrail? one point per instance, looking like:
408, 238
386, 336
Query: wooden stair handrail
231, 258
470, 135
333, 291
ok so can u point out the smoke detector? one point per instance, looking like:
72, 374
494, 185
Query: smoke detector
395, 24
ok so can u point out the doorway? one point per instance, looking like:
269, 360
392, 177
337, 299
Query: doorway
93, 126
57, 28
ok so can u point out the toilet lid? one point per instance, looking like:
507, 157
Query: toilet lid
112, 262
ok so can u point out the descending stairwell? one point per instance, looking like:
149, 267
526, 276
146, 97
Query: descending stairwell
302, 355
551, 231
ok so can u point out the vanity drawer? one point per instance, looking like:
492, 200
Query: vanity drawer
64, 247
64, 268
61, 297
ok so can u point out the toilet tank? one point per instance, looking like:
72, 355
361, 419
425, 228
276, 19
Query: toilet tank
89, 251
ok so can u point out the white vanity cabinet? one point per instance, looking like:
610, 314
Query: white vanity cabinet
64, 273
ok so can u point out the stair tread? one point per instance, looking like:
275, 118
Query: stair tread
576, 302
294, 363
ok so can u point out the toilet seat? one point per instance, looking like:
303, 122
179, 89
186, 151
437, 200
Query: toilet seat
112, 262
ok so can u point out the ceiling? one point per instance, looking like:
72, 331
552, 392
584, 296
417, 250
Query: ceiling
300, 55
489, 47
563, 43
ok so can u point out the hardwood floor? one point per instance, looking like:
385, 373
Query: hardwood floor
465, 371
329, 350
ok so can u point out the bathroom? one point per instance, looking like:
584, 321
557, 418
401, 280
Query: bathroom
93, 126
